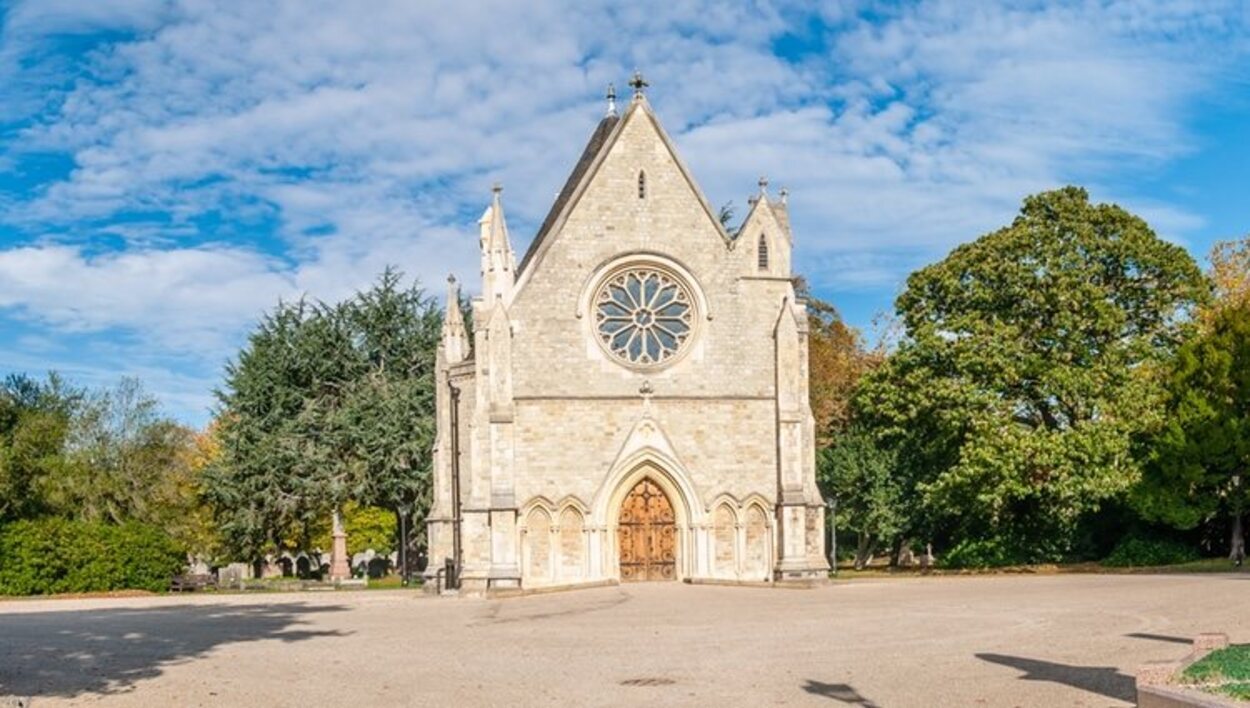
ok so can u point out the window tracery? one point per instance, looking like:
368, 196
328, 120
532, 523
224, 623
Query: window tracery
643, 315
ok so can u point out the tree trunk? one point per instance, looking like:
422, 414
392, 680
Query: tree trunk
863, 550
1237, 543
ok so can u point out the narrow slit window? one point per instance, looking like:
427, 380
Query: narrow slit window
642, 184
763, 252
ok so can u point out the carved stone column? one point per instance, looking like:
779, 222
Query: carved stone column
340, 567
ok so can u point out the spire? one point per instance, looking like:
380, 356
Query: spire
638, 84
498, 260
611, 101
455, 339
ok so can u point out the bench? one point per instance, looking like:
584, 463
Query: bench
192, 581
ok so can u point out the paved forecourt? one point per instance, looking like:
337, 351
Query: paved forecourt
1064, 640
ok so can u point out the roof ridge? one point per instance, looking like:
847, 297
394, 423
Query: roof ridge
598, 139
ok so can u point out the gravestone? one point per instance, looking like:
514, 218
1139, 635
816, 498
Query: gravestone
234, 574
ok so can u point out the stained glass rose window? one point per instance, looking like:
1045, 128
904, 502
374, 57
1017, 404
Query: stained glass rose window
643, 315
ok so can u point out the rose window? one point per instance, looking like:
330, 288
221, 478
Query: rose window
643, 315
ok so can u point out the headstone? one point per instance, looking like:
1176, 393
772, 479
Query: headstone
378, 566
197, 566
270, 568
233, 574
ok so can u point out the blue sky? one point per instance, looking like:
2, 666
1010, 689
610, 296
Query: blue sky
169, 169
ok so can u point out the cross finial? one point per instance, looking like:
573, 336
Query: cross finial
611, 99
496, 188
763, 185
638, 83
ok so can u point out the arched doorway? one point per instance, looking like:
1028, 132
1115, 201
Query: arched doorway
647, 534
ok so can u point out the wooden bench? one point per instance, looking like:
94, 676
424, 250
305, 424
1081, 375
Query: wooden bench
192, 581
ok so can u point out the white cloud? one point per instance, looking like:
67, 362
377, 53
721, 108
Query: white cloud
370, 133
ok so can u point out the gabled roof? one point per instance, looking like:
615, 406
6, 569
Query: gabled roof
779, 210
598, 140
598, 147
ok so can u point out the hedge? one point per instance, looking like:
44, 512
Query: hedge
1141, 552
54, 555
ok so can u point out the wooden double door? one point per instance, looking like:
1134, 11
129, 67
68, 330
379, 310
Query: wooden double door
647, 534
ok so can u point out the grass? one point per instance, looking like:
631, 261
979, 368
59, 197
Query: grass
1224, 671
1231, 664
1206, 565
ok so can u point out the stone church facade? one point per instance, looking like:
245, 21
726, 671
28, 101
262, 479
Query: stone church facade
632, 400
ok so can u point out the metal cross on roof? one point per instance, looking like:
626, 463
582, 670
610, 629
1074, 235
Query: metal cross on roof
638, 83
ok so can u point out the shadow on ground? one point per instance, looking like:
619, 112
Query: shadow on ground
838, 692
106, 651
1160, 637
1103, 680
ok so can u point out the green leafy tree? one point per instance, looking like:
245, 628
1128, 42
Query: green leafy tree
366, 527
35, 421
861, 475
122, 459
1201, 458
1025, 373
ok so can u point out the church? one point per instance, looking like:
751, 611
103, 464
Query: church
631, 400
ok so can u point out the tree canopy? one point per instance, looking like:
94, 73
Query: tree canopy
1026, 370
327, 404
837, 359
1201, 458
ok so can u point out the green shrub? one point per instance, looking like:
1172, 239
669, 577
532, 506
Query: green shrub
54, 555
980, 553
1136, 552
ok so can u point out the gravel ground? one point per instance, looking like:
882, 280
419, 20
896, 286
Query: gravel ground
1064, 640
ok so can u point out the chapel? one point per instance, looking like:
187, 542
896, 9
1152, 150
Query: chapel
631, 400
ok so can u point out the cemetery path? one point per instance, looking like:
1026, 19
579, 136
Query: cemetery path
1065, 640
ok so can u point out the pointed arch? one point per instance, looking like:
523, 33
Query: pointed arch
537, 502
571, 545
673, 480
725, 540
667, 472
757, 548
574, 502
537, 561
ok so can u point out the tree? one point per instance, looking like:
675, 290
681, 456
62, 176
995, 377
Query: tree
1201, 458
837, 359
1026, 372
326, 405
860, 474
366, 526
252, 486
35, 419
121, 460
387, 417
1230, 275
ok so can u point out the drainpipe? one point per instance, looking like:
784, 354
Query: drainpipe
455, 484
